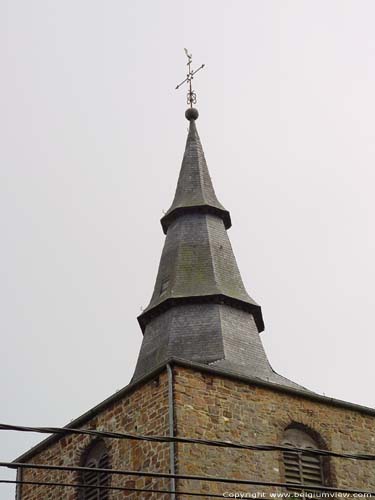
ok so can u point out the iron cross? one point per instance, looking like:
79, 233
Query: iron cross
191, 95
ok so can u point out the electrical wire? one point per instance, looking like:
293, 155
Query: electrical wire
189, 477
116, 488
167, 439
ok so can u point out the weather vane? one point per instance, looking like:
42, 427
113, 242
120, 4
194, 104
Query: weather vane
191, 95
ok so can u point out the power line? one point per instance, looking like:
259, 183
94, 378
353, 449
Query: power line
117, 488
189, 477
167, 439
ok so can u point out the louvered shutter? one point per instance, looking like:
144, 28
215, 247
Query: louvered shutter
311, 470
292, 467
90, 479
303, 469
104, 476
97, 458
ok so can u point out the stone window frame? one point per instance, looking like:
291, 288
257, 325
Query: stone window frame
312, 436
96, 454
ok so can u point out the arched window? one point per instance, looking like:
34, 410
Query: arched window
96, 456
302, 468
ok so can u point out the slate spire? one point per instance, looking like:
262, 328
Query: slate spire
197, 261
200, 310
194, 191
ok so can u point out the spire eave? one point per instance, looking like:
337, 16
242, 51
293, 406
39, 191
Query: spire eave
248, 306
176, 211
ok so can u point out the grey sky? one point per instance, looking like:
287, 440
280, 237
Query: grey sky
92, 136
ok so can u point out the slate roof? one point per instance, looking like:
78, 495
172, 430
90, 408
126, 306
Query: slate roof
200, 310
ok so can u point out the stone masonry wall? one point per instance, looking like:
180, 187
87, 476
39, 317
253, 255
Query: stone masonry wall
216, 408
211, 407
144, 411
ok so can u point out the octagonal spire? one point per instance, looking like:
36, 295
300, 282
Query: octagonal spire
197, 264
195, 192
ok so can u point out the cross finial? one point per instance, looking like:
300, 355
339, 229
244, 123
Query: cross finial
191, 95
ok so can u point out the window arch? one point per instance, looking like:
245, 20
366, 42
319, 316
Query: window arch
96, 457
302, 468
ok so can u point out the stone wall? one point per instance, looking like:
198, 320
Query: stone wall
216, 408
143, 411
213, 407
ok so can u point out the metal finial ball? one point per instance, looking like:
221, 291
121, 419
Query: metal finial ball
191, 114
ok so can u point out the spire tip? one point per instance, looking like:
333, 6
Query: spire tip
191, 114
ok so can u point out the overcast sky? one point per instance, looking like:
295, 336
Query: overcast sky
92, 136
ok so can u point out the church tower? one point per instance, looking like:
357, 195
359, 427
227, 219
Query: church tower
202, 375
